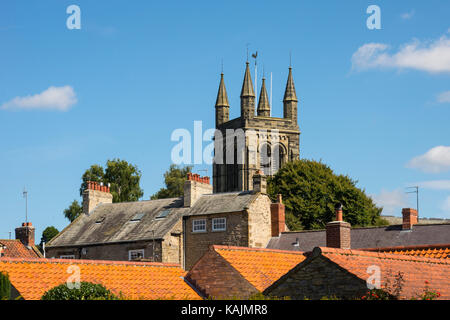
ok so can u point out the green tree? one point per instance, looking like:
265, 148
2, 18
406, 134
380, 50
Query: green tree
73, 211
5, 286
311, 191
124, 179
94, 173
48, 234
174, 179
86, 291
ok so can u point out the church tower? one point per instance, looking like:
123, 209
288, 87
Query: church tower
253, 142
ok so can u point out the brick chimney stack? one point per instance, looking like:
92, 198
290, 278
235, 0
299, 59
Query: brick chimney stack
338, 231
95, 194
409, 218
194, 187
259, 182
277, 211
25, 234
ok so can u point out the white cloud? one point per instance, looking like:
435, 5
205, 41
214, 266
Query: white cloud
432, 57
54, 98
407, 15
444, 97
435, 160
391, 201
434, 184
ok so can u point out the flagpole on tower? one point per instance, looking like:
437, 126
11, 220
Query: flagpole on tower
255, 55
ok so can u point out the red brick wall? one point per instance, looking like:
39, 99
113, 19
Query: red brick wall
338, 235
214, 277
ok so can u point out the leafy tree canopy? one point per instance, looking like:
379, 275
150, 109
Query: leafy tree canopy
48, 234
123, 177
86, 291
174, 179
311, 190
72, 212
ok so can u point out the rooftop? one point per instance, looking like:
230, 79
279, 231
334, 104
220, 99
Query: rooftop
135, 280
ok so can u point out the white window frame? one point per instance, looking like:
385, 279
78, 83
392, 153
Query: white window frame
130, 252
196, 230
215, 220
67, 256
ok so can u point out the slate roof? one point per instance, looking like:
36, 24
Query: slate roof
111, 223
16, 249
135, 280
375, 237
222, 202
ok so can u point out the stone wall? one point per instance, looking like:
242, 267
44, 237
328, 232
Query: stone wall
172, 245
196, 243
318, 278
259, 222
116, 251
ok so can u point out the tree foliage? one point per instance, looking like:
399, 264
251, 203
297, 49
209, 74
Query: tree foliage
86, 291
174, 179
48, 234
124, 178
73, 211
5, 286
311, 191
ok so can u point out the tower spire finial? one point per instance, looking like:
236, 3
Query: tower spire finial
289, 93
263, 104
247, 86
222, 97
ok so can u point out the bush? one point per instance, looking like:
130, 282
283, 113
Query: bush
87, 291
5, 286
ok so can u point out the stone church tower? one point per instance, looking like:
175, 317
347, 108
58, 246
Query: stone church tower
250, 143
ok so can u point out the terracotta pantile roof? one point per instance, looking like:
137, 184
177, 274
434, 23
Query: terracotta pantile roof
260, 267
16, 249
416, 270
135, 280
440, 251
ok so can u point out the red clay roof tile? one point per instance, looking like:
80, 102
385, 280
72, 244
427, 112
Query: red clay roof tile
261, 267
135, 280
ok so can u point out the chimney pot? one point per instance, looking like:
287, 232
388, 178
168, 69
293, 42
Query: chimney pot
279, 198
339, 212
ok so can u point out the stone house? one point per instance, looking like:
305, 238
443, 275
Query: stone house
245, 219
149, 230
176, 230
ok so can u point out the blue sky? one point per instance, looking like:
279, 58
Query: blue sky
374, 104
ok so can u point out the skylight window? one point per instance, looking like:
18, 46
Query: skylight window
138, 216
100, 219
163, 214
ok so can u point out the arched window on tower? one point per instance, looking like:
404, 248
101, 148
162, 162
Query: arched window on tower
265, 158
